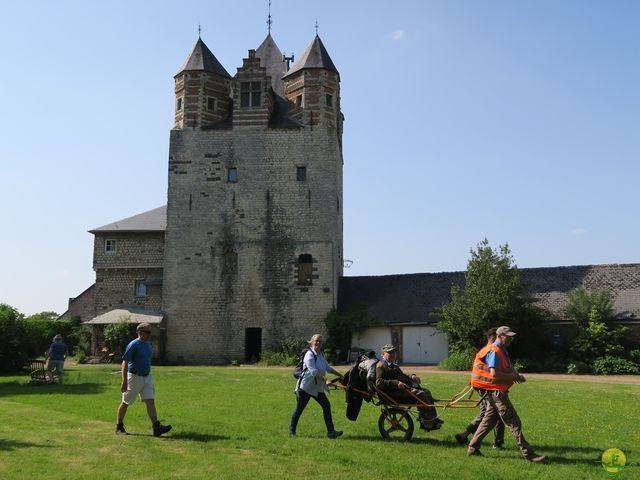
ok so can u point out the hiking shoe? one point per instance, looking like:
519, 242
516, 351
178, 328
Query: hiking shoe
120, 430
334, 433
497, 446
533, 458
430, 426
439, 420
292, 434
474, 453
159, 429
461, 439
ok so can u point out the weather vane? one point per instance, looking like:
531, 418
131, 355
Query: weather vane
199, 30
269, 21
316, 26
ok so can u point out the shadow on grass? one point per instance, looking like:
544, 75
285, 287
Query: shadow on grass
197, 437
441, 442
17, 388
9, 445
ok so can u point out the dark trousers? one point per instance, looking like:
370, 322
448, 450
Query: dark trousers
498, 432
301, 403
499, 407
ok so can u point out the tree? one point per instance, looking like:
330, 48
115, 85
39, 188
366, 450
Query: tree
587, 305
493, 295
118, 335
12, 353
598, 337
342, 326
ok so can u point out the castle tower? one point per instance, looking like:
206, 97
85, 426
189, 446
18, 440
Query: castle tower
253, 244
202, 89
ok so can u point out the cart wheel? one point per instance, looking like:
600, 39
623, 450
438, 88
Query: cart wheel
395, 424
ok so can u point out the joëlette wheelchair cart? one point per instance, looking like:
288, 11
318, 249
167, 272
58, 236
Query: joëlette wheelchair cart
396, 421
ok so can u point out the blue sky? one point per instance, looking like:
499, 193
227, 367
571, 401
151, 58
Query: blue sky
514, 121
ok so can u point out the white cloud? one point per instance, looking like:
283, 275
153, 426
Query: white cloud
398, 35
578, 231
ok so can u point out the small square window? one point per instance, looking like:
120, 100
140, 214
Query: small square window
110, 247
232, 175
299, 101
211, 104
141, 288
329, 100
179, 106
301, 174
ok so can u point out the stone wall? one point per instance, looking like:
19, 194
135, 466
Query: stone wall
83, 306
232, 247
138, 257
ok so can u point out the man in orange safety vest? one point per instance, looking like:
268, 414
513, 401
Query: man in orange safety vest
492, 376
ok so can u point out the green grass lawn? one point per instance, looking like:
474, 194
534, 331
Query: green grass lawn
231, 422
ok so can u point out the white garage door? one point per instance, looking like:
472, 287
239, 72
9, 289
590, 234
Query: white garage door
423, 344
372, 339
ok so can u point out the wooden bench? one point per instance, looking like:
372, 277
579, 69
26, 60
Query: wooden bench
39, 373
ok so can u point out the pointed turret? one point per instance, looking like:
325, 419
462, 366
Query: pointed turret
202, 59
312, 87
202, 87
315, 56
271, 58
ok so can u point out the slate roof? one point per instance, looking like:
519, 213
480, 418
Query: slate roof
271, 58
151, 221
201, 58
133, 314
411, 298
315, 56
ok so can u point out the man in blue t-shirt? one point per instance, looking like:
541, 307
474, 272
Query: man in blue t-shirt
137, 380
56, 354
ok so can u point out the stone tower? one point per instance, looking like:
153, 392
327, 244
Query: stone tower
253, 243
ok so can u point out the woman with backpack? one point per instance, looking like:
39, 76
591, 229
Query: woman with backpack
313, 383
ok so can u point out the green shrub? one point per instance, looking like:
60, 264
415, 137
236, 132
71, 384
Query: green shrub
118, 335
634, 355
277, 358
614, 366
12, 352
81, 356
292, 347
460, 361
577, 368
341, 326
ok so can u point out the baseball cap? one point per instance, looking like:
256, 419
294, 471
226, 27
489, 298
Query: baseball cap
504, 330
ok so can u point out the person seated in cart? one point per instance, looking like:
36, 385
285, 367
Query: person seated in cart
405, 389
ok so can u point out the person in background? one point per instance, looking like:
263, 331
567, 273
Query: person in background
498, 432
137, 380
492, 376
56, 354
312, 384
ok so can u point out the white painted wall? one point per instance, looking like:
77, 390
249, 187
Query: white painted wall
423, 344
372, 338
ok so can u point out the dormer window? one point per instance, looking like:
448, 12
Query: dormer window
250, 94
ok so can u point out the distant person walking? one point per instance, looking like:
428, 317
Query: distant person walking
137, 380
498, 432
492, 376
56, 354
312, 384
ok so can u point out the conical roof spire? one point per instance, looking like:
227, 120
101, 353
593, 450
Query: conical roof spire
315, 56
271, 58
201, 58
